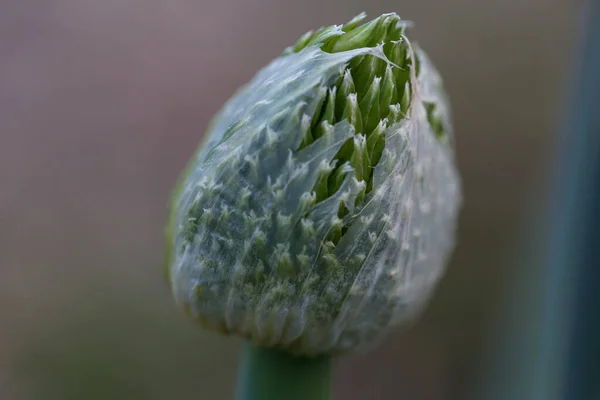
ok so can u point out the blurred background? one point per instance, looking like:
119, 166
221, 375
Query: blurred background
103, 102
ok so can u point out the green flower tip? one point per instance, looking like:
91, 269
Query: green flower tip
321, 208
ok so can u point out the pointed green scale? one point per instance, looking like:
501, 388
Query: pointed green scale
302, 42
399, 56
335, 232
369, 106
354, 22
353, 115
305, 131
395, 113
327, 112
326, 131
321, 186
389, 94
356, 38
321, 98
307, 229
283, 261
352, 112
395, 30
295, 116
346, 88
365, 72
376, 141
338, 177
360, 198
325, 34
387, 30
360, 158
323, 128
405, 101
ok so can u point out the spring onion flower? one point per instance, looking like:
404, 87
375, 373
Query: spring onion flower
320, 209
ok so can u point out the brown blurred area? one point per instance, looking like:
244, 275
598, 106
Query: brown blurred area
102, 103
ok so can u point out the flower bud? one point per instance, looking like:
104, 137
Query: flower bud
321, 208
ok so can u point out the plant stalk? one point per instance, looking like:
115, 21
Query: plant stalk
269, 374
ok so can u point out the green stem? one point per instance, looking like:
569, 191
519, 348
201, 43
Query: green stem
268, 374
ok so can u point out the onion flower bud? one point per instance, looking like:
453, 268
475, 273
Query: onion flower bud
320, 209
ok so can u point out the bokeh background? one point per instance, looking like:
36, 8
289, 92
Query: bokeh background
103, 102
